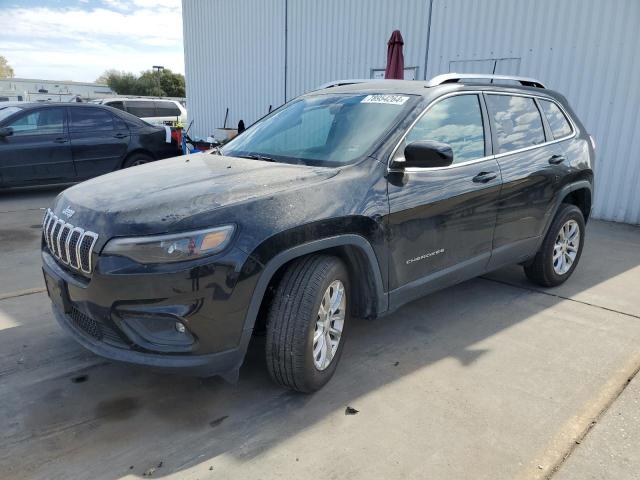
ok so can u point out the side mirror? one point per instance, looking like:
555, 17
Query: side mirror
427, 154
6, 132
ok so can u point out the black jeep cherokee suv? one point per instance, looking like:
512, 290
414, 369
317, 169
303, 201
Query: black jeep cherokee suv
347, 201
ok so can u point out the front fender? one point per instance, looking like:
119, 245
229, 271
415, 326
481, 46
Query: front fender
272, 266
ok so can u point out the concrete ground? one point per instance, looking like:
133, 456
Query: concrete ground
491, 379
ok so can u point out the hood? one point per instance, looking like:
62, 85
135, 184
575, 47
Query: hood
155, 197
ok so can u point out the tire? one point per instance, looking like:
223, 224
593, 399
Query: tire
136, 159
547, 271
294, 320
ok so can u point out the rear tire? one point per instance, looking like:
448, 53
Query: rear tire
561, 249
309, 312
136, 159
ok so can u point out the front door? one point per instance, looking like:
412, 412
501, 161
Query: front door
442, 219
38, 150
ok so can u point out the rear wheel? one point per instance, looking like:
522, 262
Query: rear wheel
561, 249
306, 323
136, 159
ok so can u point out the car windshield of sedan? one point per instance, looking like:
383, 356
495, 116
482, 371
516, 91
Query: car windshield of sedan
324, 130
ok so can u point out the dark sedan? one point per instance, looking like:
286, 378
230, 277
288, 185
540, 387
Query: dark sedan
69, 142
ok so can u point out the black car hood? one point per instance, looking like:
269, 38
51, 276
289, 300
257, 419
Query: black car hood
162, 196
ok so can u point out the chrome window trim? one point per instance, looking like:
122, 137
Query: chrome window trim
573, 134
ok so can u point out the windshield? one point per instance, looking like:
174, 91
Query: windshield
8, 111
326, 130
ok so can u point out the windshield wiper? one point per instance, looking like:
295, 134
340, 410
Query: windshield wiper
255, 156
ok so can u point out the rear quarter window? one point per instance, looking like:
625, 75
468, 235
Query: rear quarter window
167, 109
141, 109
558, 122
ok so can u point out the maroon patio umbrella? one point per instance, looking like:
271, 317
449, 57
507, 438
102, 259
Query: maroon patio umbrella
395, 58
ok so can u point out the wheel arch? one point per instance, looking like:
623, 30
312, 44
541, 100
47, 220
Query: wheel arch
362, 264
135, 152
580, 196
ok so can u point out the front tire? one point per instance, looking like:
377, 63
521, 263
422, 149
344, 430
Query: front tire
306, 323
561, 249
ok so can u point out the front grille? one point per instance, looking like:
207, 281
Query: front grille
73, 246
98, 330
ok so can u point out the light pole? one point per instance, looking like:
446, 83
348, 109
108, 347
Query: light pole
158, 68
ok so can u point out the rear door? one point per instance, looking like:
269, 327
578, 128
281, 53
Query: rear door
38, 150
99, 140
532, 164
442, 219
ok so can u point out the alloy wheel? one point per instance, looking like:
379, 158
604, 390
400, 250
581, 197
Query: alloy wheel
329, 324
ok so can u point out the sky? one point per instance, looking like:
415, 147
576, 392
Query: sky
80, 39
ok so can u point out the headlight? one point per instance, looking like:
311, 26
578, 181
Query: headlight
171, 248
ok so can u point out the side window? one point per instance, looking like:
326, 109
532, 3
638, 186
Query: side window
90, 119
560, 126
119, 124
141, 109
118, 105
41, 122
167, 109
457, 121
516, 120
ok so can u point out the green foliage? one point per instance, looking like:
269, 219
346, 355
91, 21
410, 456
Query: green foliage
7, 72
158, 84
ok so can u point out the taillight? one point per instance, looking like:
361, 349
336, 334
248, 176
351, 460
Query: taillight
593, 142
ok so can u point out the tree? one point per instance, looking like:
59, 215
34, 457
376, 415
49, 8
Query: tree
164, 83
5, 69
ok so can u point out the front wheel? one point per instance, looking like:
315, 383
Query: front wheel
306, 323
561, 249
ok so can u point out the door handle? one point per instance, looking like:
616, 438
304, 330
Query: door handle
484, 177
120, 135
60, 140
556, 159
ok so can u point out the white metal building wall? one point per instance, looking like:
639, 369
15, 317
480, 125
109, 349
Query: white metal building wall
333, 39
234, 58
586, 49
589, 50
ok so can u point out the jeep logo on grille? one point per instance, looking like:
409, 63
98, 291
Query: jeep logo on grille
68, 212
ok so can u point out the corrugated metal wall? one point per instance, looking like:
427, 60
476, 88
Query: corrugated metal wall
234, 58
589, 50
332, 39
586, 49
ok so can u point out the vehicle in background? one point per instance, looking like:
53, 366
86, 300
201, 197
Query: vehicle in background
152, 110
47, 143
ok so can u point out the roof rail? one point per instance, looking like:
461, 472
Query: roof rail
457, 77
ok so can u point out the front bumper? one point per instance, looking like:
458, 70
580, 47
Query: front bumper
225, 364
127, 314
